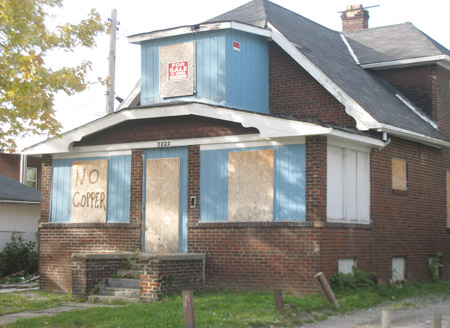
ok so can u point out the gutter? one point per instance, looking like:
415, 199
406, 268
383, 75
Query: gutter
407, 62
406, 134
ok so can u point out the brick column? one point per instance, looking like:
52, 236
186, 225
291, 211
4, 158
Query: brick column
45, 187
136, 189
316, 178
194, 183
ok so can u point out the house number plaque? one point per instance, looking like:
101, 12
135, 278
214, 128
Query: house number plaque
164, 144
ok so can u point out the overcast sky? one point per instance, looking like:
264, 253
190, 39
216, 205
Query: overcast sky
137, 16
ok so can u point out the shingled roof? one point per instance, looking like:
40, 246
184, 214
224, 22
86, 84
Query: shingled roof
13, 191
393, 43
327, 50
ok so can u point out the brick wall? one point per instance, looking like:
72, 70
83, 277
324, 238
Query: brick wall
179, 127
90, 269
409, 224
168, 273
295, 93
258, 255
441, 100
415, 83
60, 241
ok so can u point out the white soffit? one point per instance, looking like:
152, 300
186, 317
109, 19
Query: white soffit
442, 59
268, 126
138, 38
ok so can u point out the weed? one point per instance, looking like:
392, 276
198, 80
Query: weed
435, 266
349, 281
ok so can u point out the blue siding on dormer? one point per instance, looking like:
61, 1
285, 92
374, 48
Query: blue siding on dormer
119, 179
224, 77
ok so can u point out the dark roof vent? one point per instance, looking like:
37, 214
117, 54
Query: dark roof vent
355, 17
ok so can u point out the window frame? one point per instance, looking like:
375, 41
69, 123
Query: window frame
28, 181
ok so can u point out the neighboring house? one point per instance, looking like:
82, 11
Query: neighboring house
11, 164
20, 208
277, 147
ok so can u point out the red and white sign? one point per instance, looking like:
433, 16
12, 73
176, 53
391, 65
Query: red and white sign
178, 71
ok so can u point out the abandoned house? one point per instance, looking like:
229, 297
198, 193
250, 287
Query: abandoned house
272, 146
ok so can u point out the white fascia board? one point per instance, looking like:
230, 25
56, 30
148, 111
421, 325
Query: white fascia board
364, 121
407, 62
196, 29
350, 50
356, 139
406, 134
92, 151
133, 97
268, 126
416, 111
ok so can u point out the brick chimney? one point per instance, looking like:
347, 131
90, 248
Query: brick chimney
355, 17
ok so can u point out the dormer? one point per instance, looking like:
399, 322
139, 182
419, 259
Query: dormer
223, 64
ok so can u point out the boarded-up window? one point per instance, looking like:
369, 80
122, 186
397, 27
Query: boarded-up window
348, 185
250, 186
346, 265
448, 199
89, 191
398, 268
398, 174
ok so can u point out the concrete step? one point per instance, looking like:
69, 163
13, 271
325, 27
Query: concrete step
108, 299
120, 292
123, 283
131, 274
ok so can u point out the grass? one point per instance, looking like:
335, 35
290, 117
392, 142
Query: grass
225, 308
20, 302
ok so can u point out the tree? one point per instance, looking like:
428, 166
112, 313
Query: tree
27, 83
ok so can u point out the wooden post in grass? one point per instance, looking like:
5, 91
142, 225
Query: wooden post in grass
325, 289
278, 296
386, 318
437, 320
188, 307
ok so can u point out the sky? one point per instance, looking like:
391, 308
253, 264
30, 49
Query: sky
138, 16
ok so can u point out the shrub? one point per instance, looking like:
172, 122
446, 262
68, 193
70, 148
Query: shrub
435, 267
18, 255
357, 279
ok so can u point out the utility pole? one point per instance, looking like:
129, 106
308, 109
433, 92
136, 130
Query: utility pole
111, 64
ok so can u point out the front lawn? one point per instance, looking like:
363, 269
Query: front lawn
224, 308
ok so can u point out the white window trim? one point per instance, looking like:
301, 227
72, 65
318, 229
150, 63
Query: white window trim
35, 181
358, 149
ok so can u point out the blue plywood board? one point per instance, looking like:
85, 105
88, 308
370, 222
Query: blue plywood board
182, 154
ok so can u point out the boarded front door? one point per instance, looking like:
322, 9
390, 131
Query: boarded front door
162, 205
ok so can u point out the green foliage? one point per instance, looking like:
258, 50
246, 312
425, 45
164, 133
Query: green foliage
27, 84
349, 281
435, 267
18, 255
127, 264
224, 308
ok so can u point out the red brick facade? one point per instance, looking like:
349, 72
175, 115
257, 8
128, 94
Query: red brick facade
179, 127
295, 93
285, 255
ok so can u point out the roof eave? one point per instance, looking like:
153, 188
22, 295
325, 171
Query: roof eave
138, 38
440, 59
414, 136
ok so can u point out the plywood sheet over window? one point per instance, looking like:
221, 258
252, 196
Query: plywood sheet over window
162, 205
177, 70
398, 174
250, 186
448, 199
89, 191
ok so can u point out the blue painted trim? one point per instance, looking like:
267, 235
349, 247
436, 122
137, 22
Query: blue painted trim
119, 180
289, 183
182, 153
